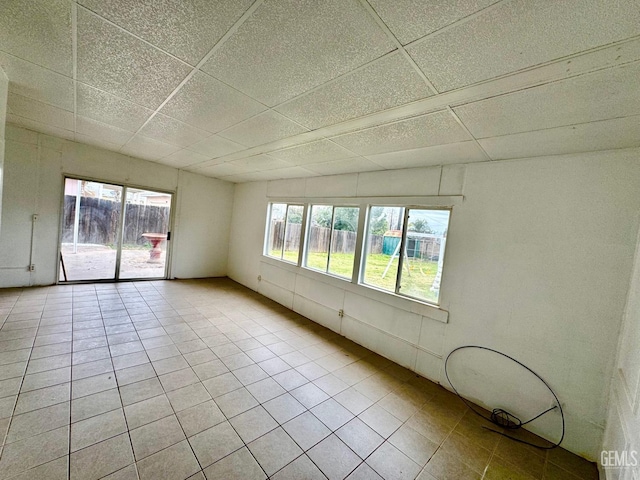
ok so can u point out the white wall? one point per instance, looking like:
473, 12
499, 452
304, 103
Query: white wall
35, 164
623, 422
203, 220
4, 91
538, 263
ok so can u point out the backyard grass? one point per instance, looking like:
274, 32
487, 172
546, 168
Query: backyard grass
417, 277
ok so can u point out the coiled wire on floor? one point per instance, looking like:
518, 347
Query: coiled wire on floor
501, 417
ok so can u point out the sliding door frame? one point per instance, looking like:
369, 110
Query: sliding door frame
120, 230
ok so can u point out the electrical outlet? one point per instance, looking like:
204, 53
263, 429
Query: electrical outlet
32, 267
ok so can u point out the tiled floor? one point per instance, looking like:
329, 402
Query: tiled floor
195, 379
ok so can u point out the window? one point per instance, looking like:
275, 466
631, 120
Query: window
283, 231
331, 239
420, 234
401, 250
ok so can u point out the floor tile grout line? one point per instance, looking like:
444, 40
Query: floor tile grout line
6, 435
119, 396
331, 337
15, 403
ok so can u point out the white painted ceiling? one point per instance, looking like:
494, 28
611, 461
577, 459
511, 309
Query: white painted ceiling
249, 90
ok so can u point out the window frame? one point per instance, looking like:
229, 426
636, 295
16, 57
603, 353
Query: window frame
267, 235
307, 229
403, 245
406, 302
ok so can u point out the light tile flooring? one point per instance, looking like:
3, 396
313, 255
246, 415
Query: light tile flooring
195, 379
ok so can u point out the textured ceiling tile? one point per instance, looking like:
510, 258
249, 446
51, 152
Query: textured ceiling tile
108, 133
462, 152
281, 173
387, 83
187, 29
603, 135
107, 108
170, 130
219, 170
40, 112
38, 83
118, 63
259, 163
211, 105
38, 31
606, 94
239, 178
520, 34
183, 158
39, 127
215, 146
289, 46
266, 127
434, 129
97, 142
346, 165
147, 148
316, 152
412, 19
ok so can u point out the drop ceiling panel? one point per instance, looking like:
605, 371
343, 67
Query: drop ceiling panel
170, 130
119, 63
220, 170
38, 31
92, 128
428, 130
386, 83
520, 34
462, 152
258, 163
183, 158
99, 142
38, 83
107, 108
278, 174
412, 19
187, 29
215, 146
39, 127
266, 127
316, 152
290, 46
302, 73
148, 148
603, 135
606, 94
346, 165
39, 112
211, 105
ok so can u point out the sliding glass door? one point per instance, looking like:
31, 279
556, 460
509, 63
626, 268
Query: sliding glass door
113, 232
144, 237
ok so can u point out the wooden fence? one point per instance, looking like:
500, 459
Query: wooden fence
345, 242
99, 221
342, 241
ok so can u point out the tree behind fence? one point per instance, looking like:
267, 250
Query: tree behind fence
99, 221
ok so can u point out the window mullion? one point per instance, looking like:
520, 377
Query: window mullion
333, 214
284, 234
303, 235
401, 253
362, 244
